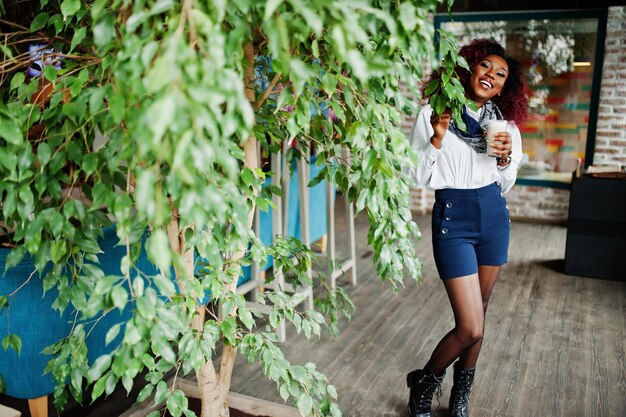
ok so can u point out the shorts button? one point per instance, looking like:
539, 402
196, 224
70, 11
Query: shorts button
444, 231
448, 217
448, 204
501, 195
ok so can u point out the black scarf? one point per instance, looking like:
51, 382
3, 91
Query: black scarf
474, 136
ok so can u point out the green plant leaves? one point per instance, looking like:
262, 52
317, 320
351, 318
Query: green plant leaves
12, 341
17, 80
446, 91
158, 249
144, 126
10, 131
305, 404
69, 8
103, 30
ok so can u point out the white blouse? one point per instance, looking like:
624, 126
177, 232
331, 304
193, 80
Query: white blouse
456, 164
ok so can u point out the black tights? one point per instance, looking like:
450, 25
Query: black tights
469, 297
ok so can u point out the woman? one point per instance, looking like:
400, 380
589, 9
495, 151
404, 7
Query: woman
470, 222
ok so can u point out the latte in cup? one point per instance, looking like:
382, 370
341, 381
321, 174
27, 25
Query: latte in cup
493, 127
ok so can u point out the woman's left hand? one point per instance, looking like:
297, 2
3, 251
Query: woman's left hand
502, 144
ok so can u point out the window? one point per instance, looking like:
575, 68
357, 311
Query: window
561, 53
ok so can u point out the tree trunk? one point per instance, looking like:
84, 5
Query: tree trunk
206, 376
215, 387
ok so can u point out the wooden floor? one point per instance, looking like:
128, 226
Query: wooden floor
554, 346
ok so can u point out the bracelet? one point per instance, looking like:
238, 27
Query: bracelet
503, 161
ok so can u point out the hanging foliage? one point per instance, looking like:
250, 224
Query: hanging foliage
147, 114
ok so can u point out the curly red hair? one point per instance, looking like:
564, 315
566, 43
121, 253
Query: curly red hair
513, 100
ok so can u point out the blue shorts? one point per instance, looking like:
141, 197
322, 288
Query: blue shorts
470, 228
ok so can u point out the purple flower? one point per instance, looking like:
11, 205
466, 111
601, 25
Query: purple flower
41, 58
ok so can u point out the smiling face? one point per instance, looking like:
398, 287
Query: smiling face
487, 79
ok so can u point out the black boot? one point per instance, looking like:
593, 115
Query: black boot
423, 384
459, 397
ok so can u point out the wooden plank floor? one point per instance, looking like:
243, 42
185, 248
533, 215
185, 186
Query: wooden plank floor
555, 344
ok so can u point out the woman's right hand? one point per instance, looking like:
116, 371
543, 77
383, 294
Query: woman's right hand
440, 126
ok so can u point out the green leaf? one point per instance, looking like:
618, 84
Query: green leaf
119, 295
358, 64
69, 8
50, 73
98, 389
44, 153
284, 392
146, 307
17, 80
407, 15
12, 341
79, 35
270, 8
145, 192
90, 163
362, 199
165, 285
59, 249
161, 6
164, 350
229, 329
39, 22
76, 380
6, 50
112, 333
332, 391
431, 87
145, 392
246, 317
99, 367
463, 63
96, 102
10, 131
315, 48
305, 404
104, 30
176, 403
148, 361
158, 247
441, 105
311, 18
161, 114
162, 392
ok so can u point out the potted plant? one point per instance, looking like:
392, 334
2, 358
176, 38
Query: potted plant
171, 88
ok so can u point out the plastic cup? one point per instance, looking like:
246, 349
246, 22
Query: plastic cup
493, 127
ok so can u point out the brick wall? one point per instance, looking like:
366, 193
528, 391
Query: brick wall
611, 130
551, 204
538, 203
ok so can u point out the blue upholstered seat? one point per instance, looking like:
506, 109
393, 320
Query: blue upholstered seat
31, 317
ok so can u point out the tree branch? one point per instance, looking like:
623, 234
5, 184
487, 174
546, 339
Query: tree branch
185, 16
6, 22
267, 92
